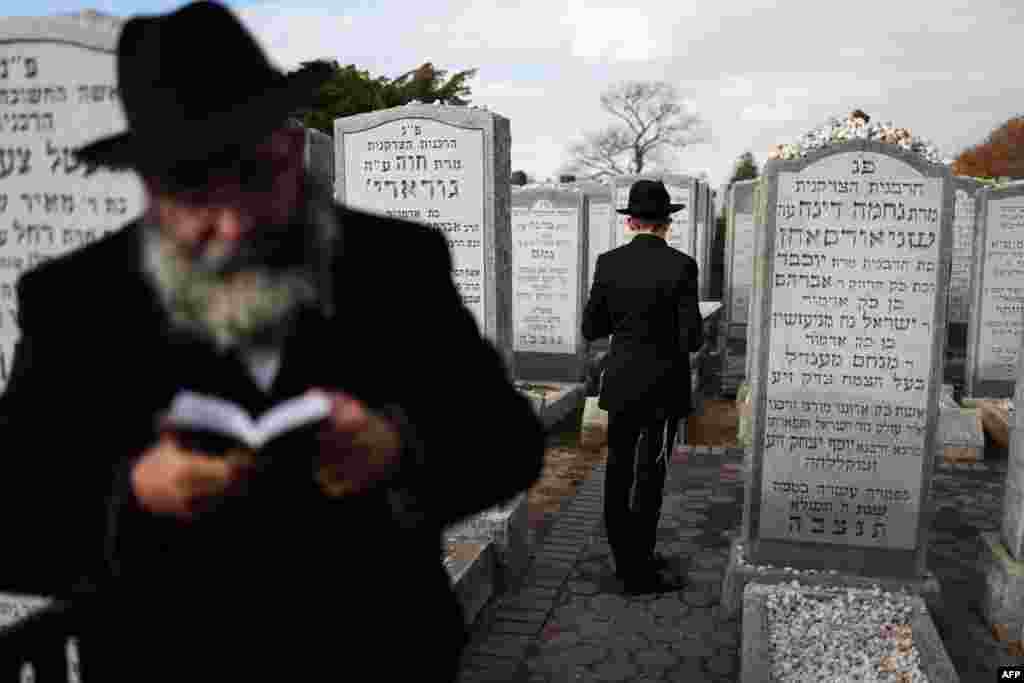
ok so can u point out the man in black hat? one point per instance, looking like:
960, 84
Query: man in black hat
321, 556
645, 295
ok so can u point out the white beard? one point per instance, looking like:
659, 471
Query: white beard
240, 309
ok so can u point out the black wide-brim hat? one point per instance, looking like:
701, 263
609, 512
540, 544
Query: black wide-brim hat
650, 200
193, 84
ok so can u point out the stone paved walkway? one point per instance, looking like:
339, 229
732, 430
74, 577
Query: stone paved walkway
570, 622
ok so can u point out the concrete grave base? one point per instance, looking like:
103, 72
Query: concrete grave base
555, 404
961, 436
756, 653
472, 571
1003, 602
507, 527
738, 573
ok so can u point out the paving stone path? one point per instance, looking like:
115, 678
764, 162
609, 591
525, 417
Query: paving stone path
569, 620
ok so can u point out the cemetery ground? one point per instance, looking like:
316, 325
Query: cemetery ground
567, 619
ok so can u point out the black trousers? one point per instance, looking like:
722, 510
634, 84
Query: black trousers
639, 447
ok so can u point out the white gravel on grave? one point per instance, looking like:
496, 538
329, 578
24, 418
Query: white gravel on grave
845, 636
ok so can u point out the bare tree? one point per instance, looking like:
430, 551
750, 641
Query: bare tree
652, 122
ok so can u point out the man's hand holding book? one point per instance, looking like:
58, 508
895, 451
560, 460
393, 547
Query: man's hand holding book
357, 449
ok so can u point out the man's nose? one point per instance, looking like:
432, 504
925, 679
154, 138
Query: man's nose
228, 223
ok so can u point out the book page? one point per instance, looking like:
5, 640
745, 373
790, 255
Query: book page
293, 413
198, 412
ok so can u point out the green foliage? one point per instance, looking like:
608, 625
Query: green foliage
745, 168
353, 91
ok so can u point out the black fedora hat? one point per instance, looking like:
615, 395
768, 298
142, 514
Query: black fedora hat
649, 199
194, 83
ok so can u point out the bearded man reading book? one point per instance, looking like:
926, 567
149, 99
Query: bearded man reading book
235, 412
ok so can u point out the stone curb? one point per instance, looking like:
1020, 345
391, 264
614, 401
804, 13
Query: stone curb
527, 609
474, 580
738, 576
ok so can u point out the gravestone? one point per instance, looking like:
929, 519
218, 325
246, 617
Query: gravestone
448, 167
682, 190
58, 91
738, 282
710, 233
320, 155
700, 209
964, 221
317, 154
996, 326
856, 245
599, 234
549, 237
599, 229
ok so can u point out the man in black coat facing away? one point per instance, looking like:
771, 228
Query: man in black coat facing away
319, 557
645, 295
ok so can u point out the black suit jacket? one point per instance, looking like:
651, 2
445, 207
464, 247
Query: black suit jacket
645, 294
97, 363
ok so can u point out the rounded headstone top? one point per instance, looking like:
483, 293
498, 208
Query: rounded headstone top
93, 17
856, 126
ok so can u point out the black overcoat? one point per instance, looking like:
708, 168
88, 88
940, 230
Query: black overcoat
283, 577
645, 294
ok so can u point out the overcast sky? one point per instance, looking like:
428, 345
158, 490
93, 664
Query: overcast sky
758, 72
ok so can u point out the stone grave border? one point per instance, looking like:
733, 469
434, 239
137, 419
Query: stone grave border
755, 653
972, 383
881, 562
1003, 597
474, 581
506, 527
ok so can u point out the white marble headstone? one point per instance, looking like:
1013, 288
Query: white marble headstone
446, 166
57, 92
549, 235
853, 320
997, 316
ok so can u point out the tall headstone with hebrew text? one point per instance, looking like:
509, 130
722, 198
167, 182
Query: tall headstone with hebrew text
847, 374
549, 238
447, 167
996, 326
58, 91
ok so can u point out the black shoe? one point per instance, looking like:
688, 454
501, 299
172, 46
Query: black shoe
651, 582
660, 562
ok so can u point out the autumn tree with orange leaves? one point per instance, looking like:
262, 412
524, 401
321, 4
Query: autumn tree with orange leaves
1000, 156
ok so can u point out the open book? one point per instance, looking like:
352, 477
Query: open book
197, 413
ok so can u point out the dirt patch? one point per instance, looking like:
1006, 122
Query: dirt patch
565, 470
715, 426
